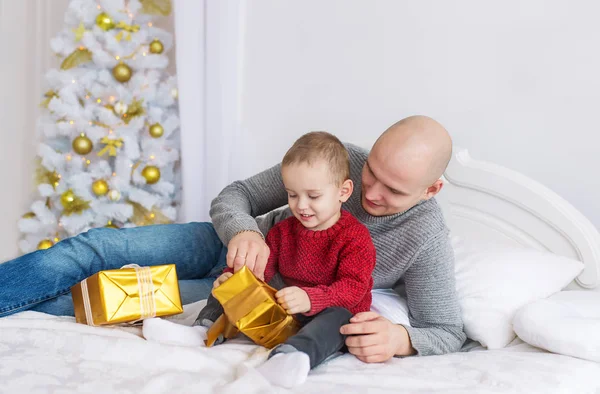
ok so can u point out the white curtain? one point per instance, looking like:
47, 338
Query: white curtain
209, 44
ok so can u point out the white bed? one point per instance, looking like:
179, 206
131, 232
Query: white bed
41, 353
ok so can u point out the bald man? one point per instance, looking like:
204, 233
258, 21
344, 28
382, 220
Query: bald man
397, 181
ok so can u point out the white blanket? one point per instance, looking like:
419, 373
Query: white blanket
40, 353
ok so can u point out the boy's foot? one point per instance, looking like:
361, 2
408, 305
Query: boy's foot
286, 369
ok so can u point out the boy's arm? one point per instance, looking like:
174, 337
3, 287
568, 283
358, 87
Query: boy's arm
353, 279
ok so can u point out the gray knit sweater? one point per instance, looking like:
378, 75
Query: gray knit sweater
414, 255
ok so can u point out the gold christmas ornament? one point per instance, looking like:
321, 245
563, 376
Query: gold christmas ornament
156, 130
77, 57
44, 176
79, 32
28, 215
72, 203
143, 217
156, 47
45, 244
135, 109
100, 187
111, 146
114, 195
111, 225
122, 72
156, 7
174, 93
67, 198
82, 145
49, 95
105, 22
126, 31
152, 174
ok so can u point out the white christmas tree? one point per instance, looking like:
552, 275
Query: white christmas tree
108, 155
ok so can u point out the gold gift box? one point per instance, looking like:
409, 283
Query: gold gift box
127, 295
250, 306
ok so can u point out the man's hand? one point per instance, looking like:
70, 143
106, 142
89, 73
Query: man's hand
293, 299
249, 249
224, 276
375, 339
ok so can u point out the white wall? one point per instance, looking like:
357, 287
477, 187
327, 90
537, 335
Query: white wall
517, 82
26, 27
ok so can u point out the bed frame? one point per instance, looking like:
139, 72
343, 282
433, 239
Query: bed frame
487, 202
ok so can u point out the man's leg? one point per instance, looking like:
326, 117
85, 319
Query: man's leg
43, 275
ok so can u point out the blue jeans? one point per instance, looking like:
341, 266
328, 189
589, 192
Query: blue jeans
41, 280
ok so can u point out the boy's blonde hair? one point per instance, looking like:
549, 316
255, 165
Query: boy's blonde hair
320, 145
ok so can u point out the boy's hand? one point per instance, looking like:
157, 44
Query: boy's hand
221, 279
293, 299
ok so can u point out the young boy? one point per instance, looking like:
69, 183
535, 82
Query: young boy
323, 255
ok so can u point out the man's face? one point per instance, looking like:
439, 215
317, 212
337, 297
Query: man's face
388, 187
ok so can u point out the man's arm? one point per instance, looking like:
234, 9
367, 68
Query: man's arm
235, 208
233, 215
434, 312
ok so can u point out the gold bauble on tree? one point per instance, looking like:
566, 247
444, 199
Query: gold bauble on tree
72, 203
100, 187
45, 244
82, 145
111, 225
156, 47
122, 72
156, 130
67, 198
105, 22
152, 174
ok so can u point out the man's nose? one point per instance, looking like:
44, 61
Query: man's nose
373, 192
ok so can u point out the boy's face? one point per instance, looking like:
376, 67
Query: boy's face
314, 198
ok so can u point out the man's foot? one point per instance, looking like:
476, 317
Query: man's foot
163, 331
286, 369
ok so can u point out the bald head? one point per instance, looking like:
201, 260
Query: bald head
419, 143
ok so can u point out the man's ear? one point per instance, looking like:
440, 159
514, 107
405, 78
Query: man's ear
433, 189
346, 190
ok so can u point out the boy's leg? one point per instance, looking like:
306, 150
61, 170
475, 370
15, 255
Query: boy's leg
43, 275
290, 362
320, 337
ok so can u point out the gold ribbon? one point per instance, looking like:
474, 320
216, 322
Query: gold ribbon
111, 146
126, 28
145, 290
145, 293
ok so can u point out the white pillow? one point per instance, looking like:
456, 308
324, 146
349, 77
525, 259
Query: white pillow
566, 323
390, 305
493, 282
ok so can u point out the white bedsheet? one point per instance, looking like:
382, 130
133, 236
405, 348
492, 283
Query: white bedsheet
46, 354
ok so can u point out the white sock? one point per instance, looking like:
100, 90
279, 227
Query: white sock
286, 369
163, 331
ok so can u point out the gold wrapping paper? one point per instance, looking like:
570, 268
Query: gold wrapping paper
250, 306
128, 294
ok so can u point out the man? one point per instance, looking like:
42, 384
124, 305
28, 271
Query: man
397, 181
